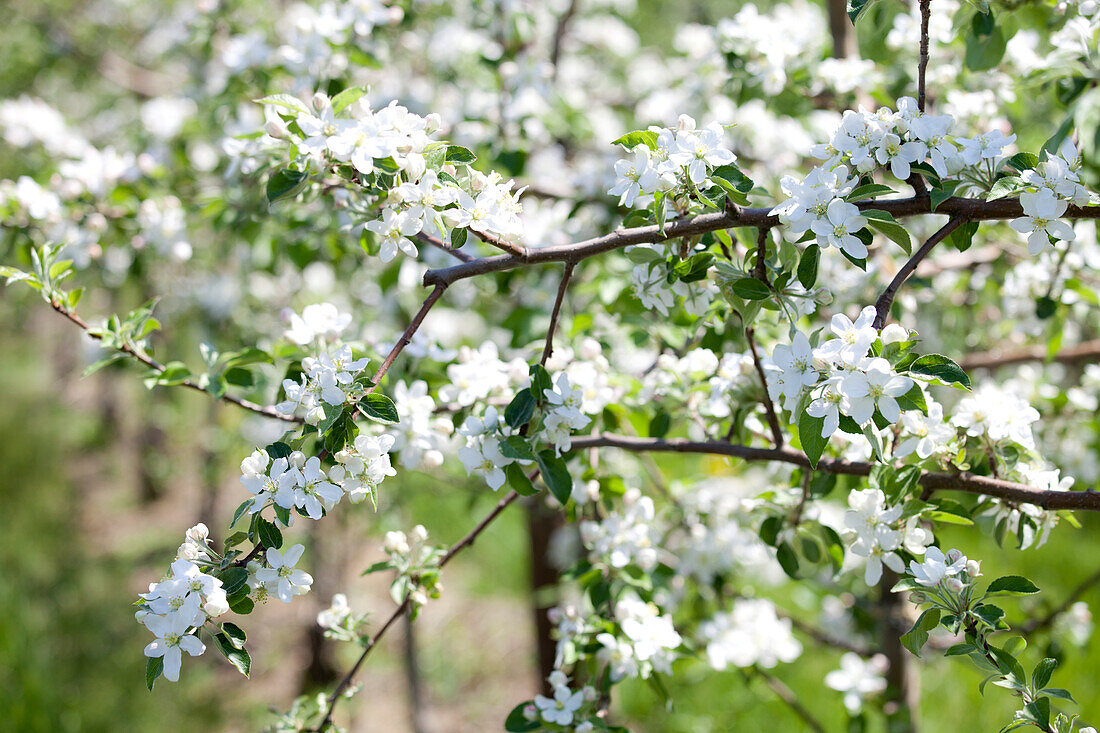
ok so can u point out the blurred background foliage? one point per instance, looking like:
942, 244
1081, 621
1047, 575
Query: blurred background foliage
99, 477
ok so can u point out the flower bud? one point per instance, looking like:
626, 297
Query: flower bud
198, 534
320, 101
974, 568
432, 123
277, 129
954, 584
529, 712
419, 534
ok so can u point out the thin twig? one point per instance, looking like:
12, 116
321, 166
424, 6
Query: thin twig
1087, 351
456, 548
882, 305
156, 366
773, 421
922, 68
548, 348
934, 481
559, 34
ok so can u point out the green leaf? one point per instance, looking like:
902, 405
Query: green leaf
633, 139
556, 475
154, 666
984, 52
807, 266
285, 184
285, 101
278, 450
659, 425
869, 191
809, 432
750, 288
963, 236
520, 410
516, 447
540, 381
856, 8
731, 175
989, 614
888, 225
1023, 161
269, 534
1059, 693
241, 604
517, 722
913, 399
941, 193
237, 657
459, 154
346, 98
915, 638
1012, 585
1040, 676
694, 268
380, 408
518, 480
233, 579
458, 238
235, 633
942, 368
788, 560
769, 529
1038, 712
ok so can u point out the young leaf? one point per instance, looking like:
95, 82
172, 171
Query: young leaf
154, 666
518, 480
809, 432
556, 475
807, 266
239, 658
380, 408
632, 140
750, 288
520, 409
915, 638
1012, 585
285, 184
942, 368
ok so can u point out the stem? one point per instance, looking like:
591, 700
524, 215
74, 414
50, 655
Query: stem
882, 305
922, 68
773, 420
548, 349
787, 695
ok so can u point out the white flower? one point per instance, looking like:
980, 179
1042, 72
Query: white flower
335, 615
927, 434
937, 566
838, 229
395, 227
858, 678
1040, 220
172, 640
560, 709
792, 370
829, 405
282, 577
695, 150
874, 386
635, 179
898, 155
853, 340
986, 146
750, 634
320, 320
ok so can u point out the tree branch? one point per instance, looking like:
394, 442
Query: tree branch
1039, 624
548, 349
882, 305
933, 481
788, 696
156, 366
922, 67
456, 548
773, 421
734, 216
1084, 352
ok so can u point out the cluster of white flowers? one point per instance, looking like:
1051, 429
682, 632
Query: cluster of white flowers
563, 414
419, 438
481, 454
649, 645
839, 375
773, 44
650, 284
280, 577
363, 465
625, 537
1051, 186
684, 156
863, 142
925, 436
179, 604
998, 415
952, 569
290, 482
479, 375
327, 379
858, 679
749, 634
874, 532
411, 555
424, 200
588, 370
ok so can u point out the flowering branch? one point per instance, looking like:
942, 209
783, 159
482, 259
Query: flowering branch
933, 481
159, 368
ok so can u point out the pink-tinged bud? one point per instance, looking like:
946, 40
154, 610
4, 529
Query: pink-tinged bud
530, 713
320, 101
954, 555
953, 584
276, 129
432, 123
590, 693
590, 348
199, 533
973, 568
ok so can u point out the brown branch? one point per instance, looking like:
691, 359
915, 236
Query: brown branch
403, 608
559, 34
773, 421
438, 244
882, 305
406, 337
733, 216
922, 67
933, 481
1086, 351
156, 366
548, 349
760, 271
